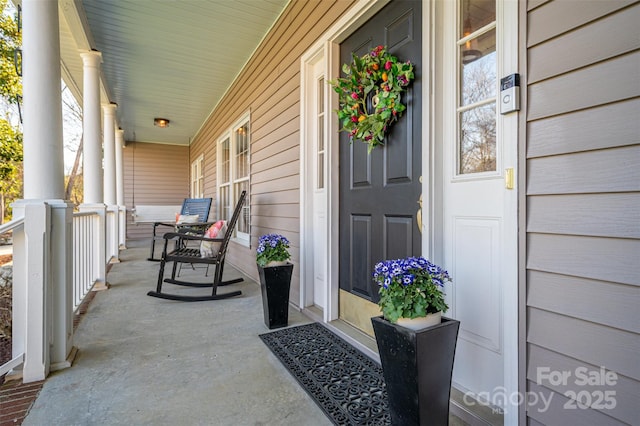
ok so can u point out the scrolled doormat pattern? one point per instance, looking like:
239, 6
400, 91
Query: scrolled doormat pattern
346, 384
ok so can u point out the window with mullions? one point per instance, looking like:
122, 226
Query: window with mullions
197, 178
234, 174
478, 87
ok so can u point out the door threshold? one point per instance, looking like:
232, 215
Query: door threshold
360, 340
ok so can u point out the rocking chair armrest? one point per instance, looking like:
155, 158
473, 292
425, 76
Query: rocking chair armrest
199, 227
178, 235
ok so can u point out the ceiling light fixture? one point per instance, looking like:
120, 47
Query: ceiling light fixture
161, 122
469, 52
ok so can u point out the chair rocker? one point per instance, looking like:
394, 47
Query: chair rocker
183, 253
190, 206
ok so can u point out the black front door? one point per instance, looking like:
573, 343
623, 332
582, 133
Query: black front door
379, 192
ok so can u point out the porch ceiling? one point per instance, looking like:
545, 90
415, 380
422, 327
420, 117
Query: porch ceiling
168, 59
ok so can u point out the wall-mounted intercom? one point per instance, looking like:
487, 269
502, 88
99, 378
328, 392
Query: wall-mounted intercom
510, 94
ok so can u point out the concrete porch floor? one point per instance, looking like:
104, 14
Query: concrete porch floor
144, 360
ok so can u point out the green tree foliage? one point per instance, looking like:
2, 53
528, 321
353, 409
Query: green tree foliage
11, 92
10, 42
10, 165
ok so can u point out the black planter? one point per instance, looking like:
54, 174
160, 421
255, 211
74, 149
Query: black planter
275, 282
417, 368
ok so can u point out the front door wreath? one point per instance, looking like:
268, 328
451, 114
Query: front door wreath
370, 95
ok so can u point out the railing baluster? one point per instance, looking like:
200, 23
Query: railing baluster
84, 255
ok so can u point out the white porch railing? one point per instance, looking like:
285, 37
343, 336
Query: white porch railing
85, 254
112, 235
16, 225
122, 227
95, 234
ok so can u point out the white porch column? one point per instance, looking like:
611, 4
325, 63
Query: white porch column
43, 253
92, 141
43, 147
122, 208
92, 157
109, 121
119, 167
109, 153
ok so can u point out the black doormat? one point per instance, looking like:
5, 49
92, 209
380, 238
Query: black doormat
346, 384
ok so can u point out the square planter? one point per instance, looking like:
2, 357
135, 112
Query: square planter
275, 282
417, 368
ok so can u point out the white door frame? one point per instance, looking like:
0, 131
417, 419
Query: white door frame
330, 44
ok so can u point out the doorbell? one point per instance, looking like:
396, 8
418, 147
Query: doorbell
510, 93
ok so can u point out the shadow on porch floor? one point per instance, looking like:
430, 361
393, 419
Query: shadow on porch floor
150, 361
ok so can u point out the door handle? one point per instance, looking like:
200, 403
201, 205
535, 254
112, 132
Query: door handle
419, 212
419, 215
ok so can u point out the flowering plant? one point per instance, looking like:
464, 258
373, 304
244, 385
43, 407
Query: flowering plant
410, 288
370, 95
272, 247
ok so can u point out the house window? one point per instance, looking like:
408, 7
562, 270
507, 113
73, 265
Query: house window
478, 87
233, 175
197, 177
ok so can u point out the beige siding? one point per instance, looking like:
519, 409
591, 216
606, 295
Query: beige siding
581, 149
154, 174
269, 87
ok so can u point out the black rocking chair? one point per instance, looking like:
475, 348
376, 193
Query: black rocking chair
183, 253
190, 206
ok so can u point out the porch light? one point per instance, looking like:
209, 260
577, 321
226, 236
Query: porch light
161, 122
469, 52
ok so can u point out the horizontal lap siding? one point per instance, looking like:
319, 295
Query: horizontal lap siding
583, 131
614, 214
627, 393
154, 174
269, 87
582, 244
617, 307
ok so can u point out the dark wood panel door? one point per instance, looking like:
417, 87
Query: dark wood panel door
379, 192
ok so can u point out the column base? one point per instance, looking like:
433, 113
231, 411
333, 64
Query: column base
101, 286
67, 363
